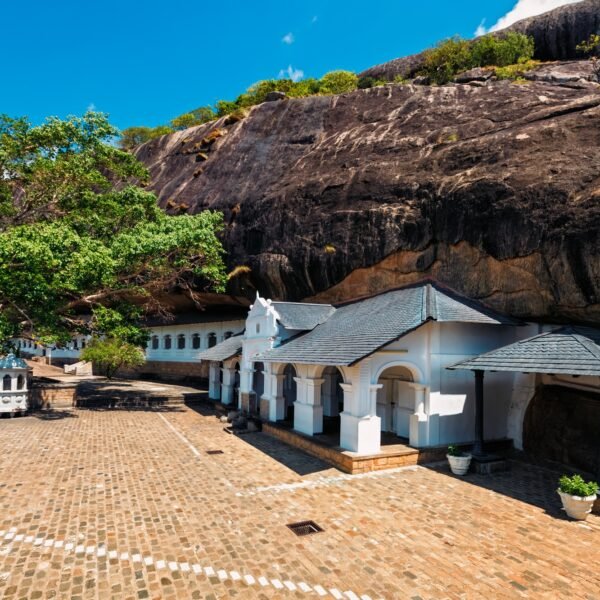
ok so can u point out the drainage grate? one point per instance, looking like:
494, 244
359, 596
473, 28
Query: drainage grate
304, 527
214, 452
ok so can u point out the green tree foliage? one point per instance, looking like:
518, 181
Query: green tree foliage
111, 354
77, 233
365, 83
591, 46
455, 55
134, 136
500, 51
335, 82
338, 82
198, 116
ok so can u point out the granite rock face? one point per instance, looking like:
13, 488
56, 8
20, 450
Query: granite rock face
491, 190
556, 34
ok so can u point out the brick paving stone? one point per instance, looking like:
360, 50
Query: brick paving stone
128, 504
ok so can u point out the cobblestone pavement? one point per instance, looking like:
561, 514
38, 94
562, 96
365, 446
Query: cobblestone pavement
128, 505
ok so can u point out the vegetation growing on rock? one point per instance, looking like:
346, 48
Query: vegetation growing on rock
335, 82
441, 64
455, 55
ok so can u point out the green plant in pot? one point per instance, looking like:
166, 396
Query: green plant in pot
577, 495
459, 461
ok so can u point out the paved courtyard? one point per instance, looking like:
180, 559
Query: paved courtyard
128, 504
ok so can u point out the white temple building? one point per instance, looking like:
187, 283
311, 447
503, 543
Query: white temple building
368, 369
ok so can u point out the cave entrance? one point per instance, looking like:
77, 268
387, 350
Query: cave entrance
561, 424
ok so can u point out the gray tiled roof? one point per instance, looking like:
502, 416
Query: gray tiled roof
568, 350
360, 328
226, 349
10, 361
298, 315
193, 317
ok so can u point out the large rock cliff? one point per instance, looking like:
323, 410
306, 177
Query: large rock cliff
556, 35
492, 189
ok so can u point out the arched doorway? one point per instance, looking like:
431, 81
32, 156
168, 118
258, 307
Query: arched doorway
258, 386
395, 403
289, 392
332, 397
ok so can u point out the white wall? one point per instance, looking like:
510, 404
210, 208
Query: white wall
449, 401
188, 354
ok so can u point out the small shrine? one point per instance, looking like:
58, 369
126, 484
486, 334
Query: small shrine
15, 394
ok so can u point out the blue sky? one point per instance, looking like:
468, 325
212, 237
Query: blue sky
146, 62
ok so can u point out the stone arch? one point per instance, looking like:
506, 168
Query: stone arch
6, 383
415, 370
20, 382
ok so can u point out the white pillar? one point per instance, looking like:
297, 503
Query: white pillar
228, 385
308, 410
276, 399
360, 433
418, 435
214, 381
522, 393
330, 404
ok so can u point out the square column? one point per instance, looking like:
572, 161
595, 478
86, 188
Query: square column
214, 381
228, 385
308, 410
360, 433
329, 397
277, 400
419, 421
245, 401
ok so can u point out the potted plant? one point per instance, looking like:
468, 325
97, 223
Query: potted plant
577, 496
459, 461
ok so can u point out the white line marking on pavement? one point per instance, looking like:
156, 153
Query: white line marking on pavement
325, 481
209, 572
180, 436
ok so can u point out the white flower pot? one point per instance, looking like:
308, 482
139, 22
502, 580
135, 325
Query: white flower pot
577, 507
459, 465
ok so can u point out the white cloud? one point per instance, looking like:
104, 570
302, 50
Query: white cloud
91, 107
481, 30
288, 38
291, 73
522, 10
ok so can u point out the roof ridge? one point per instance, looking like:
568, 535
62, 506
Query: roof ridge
588, 344
301, 303
432, 312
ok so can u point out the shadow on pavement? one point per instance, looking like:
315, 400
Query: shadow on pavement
54, 415
527, 480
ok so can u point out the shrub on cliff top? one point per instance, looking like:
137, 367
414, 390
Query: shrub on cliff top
454, 55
